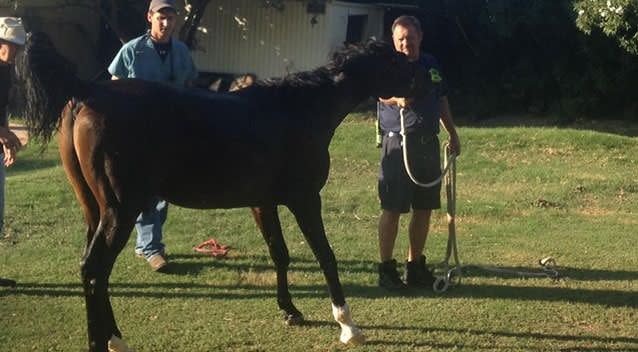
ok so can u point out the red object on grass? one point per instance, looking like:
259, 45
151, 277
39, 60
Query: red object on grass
212, 248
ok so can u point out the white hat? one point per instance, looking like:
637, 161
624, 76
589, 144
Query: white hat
12, 30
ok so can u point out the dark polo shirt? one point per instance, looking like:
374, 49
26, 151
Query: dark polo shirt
423, 116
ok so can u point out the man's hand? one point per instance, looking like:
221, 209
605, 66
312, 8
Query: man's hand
405, 102
10, 144
9, 156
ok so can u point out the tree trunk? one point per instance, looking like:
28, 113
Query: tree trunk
195, 10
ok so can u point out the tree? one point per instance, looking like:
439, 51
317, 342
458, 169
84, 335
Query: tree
617, 19
195, 10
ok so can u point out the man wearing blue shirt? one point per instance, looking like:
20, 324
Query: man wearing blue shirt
155, 56
397, 193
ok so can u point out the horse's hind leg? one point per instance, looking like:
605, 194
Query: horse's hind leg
267, 220
307, 211
110, 236
82, 190
74, 174
109, 240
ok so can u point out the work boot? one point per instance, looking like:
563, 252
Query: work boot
417, 274
389, 277
158, 262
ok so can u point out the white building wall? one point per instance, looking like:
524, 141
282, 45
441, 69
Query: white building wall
341, 10
244, 36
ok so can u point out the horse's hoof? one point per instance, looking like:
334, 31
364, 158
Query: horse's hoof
292, 319
118, 345
350, 333
354, 339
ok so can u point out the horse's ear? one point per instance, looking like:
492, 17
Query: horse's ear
374, 45
370, 43
339, 57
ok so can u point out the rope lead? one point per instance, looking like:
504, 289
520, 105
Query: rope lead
452, 274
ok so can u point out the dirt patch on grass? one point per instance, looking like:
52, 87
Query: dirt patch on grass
594, 211
21, 132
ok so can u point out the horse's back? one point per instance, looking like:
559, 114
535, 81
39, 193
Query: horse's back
163, 110
209, 149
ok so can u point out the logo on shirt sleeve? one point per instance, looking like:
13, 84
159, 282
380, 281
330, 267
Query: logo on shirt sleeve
435, 75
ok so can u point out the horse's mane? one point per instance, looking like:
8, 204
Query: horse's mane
340, 62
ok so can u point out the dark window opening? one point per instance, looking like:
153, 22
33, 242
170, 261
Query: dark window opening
356, 28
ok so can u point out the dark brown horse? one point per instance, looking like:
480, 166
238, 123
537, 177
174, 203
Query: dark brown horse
124, 142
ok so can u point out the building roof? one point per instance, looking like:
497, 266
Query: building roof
389, 3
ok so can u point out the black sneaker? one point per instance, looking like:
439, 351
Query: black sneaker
389, 277
418, 275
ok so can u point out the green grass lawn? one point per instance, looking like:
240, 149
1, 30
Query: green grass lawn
523, 193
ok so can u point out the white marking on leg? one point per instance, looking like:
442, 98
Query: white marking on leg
118, 345
350, 333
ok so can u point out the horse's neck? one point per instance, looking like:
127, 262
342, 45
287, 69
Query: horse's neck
325, 104
346, 95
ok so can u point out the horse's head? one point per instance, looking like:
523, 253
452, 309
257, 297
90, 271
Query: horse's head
382, 70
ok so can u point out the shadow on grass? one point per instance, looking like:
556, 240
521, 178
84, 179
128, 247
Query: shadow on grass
564, 272
608, 298
618, 127
26, 165
598, 349
182, 264
489, 333
193, 263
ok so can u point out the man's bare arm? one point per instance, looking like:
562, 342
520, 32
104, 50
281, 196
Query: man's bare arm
390, 101
448, 125
400, 102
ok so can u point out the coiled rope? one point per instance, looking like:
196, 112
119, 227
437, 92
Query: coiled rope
453, 273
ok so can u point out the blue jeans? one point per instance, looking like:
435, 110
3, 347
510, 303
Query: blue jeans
149, 228
2, 176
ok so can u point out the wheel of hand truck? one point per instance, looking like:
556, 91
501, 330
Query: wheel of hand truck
441, 284
453, 277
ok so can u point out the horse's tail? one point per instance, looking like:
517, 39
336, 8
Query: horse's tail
49, 81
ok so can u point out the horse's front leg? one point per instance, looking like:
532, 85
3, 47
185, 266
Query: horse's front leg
307, 211
267, 220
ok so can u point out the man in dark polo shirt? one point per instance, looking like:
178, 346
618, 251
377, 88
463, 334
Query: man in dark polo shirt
397, 192
12, 38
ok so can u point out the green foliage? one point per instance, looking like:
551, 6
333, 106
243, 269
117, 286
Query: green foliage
618, 19
529, 56
523, 193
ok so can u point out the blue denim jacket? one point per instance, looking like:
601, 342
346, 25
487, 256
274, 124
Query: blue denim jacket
138, 59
